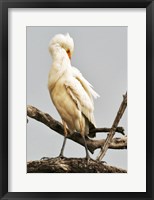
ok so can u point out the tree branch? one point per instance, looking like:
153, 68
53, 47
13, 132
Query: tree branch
106, 130
70, 165
116, 143
113, 129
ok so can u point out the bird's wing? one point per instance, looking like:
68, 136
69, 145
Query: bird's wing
85, 84
79, 95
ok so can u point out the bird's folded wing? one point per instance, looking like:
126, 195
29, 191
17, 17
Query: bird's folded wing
85, 84
80, 97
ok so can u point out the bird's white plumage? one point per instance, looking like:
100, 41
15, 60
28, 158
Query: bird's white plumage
86, 85
70, 92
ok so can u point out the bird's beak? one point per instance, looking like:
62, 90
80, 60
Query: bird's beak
69, 54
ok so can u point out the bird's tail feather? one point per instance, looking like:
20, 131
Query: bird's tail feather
89, 126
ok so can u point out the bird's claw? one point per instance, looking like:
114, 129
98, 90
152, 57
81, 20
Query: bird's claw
60, 156
45, 158
48, 158
88, 159
101, 161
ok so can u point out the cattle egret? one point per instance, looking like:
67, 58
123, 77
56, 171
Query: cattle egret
70, 92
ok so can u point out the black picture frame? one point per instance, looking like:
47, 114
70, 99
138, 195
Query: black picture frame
4, 5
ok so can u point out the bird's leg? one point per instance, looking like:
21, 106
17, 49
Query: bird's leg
64, 142
62, 149
86, 148
85, 143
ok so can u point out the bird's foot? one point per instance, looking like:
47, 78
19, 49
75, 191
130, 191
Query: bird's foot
60, 156
57, 158
101, 161
88, 159
45, 158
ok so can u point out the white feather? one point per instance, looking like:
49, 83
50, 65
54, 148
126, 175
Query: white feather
70, 92
84, 82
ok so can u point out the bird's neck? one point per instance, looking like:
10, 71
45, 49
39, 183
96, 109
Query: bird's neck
60, 65
58, 53
60, 59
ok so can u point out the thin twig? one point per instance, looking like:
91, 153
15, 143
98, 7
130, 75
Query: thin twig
113, 129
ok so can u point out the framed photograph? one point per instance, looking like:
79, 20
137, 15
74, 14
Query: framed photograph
76, 99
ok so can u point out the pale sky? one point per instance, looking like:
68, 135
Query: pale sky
101, 56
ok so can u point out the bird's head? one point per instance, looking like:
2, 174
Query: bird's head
64, 41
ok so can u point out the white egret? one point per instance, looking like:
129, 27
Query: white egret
70, 92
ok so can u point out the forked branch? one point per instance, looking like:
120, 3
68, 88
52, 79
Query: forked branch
93, 144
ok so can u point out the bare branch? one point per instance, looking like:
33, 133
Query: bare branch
106, 130
113, 129
70, 165
116, 143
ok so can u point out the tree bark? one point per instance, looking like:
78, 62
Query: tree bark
92, 144
70, 165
